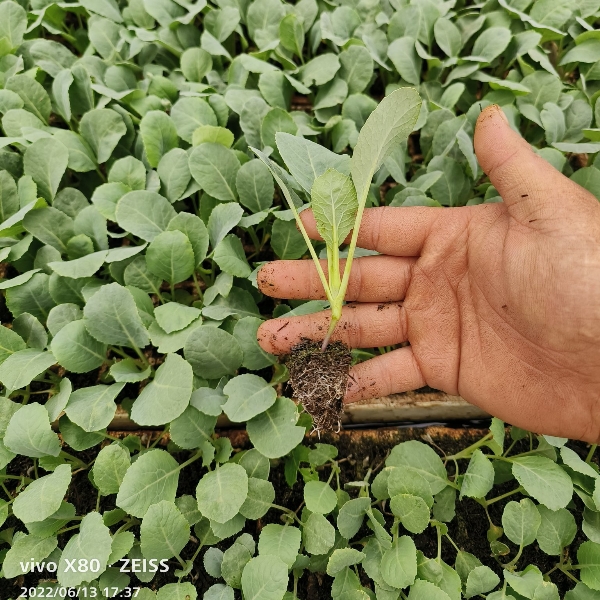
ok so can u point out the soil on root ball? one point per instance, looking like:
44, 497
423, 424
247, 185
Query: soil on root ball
318, 379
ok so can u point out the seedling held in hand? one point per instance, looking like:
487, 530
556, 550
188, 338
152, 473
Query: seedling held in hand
338, 198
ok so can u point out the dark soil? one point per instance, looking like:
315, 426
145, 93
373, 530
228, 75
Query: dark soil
319, 379
359, 451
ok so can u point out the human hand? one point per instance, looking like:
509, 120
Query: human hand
500, 302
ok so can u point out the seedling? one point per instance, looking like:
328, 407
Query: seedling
338, 196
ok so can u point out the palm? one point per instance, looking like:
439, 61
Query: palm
500, 302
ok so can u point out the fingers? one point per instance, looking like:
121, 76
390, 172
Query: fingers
396, 231
361, 326
531, 188
373, 279
390, 373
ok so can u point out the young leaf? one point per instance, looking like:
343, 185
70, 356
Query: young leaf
110, 467
143, 213
212, 352
164, 532
93, 408
388, 125
167, 396
76, 350
92, 542
521, 521
29, 433
170, 256
151, 478
20, 368
159, 135
280, 541
102, 128
111, 316
479, 477
222, 492
334, 204
215, 168
247, 396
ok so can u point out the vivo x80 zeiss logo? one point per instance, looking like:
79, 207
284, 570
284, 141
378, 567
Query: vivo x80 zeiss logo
83, 565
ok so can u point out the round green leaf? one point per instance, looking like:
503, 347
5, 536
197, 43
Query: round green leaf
170, 256
247, 396
265, 578
76, 350
212, 352
215, 169
110, 467
222, 492
164, 531
319, 497
318, 534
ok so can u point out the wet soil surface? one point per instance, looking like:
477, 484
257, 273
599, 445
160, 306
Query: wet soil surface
361, 449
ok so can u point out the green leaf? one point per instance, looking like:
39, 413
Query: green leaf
356, 68
212, 352
256, 464
421, 459
93, 407
424, 590
222, 492
159, 135
164, 532
50, 226
20, 368
229, 255
34, 96
174, 316
318, 534
342, 558
319, 497
479, 477
399, 563
412, 511
110, 467
167, 396
247, 396
307, 160
13, 24
403, 55
544, 480
351, 516
215, 169
177, 591
196, 232
111, 316
192, 428
10, 342
85, 266
76, 350
264, 578
151, 478
56, 403
9, 198
280, 541
190, 113
448, 37
196, 63
334, 206
42, 497
174, 172
287, 242
588, 557
145, 214
521, 521
29, 433
81, 157
92, 542
396, 116
129, 171
556, 531
491, 43
481, 580
102, 129
26, 549
255, 358
261, 495
46, 161
170, 256
212, 134
254, 185
31, 330
274, 432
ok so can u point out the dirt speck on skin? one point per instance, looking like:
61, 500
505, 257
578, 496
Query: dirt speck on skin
319, 379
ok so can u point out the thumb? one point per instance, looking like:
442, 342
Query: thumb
531, 188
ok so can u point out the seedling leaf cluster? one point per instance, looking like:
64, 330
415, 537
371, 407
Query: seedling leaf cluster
154, 154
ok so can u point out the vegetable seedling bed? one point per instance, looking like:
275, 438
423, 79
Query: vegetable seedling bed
359, 451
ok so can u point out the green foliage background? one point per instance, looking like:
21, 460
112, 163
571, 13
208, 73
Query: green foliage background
133, 221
